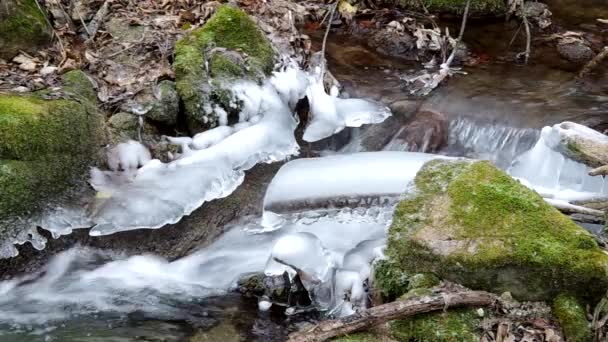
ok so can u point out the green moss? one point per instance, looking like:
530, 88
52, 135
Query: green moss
77, 85
229, 32
571, 316
422, 281
473, 224
357, 337
45, 146
451, 326
417, 292
389, 280
23, 26
478, 7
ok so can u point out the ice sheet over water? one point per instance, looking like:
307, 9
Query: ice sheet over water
350, 180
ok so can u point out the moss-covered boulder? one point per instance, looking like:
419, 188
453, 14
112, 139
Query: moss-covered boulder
45, 146
478, 7
473, 224
23, 26
572, 318
229, 46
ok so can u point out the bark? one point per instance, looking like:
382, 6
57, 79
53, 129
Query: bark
390, 311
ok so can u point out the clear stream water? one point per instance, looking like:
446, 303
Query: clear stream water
495, 112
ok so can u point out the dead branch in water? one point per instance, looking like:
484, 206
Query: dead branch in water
592, 64
465, 15
329, 20
528, 35
390, 311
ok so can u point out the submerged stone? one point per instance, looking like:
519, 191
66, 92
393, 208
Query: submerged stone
23, 27
45, 147
229, 47
475, 225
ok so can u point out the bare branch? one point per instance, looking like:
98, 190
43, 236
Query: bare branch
592, 64
390, 311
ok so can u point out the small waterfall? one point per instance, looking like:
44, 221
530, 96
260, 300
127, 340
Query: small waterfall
497, 143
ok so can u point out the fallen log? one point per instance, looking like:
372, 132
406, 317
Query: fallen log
394, 310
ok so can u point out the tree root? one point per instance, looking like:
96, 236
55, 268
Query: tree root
394, 310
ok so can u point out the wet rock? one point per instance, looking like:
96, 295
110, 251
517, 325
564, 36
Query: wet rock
224, 332
538, 13
426, 132
390, 42
126, 126
23, 27
475, 225
233, 47
165, 108
46, 145
277, 289
577, 51
159, 103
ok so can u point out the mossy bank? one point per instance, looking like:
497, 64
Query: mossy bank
228, 47
475, 225
46, 145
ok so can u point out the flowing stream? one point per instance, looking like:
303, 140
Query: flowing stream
494, 113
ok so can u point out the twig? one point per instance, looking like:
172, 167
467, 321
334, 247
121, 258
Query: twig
390, 311
592, 64
83, 24
515, 36
331, 17
97, 20
460, 35
528, 36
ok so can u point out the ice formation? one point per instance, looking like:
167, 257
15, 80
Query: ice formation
350, 180
86, 281
330, 114
129, 155
552, 174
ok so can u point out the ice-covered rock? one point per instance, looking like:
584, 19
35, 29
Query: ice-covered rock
129, 155
330, 114
579, 143
552, 173
211, 137
161, 193
352, 180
